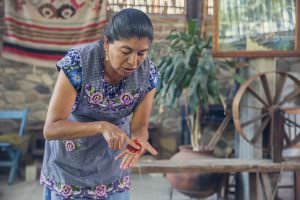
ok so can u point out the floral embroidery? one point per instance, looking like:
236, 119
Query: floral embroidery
96, 98
101, 191
75, 77
126, 98
71, 146
70, 64
66, 191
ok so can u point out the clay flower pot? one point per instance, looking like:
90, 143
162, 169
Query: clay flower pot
196, 185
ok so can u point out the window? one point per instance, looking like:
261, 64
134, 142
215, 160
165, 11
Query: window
210, 7
250, 28
165, 7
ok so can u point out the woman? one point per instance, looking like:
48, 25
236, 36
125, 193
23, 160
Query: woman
87, 126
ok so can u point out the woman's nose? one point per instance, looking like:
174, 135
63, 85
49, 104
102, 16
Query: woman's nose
133, 60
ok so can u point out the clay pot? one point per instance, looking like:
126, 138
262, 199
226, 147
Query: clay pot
196, 185
292, 152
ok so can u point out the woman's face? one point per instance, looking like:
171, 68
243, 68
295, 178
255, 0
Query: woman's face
126, 55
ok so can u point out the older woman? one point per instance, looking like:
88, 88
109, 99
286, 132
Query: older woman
87, 126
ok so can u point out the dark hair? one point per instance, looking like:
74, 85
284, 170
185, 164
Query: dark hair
129, 23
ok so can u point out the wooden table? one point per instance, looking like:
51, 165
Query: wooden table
259, 171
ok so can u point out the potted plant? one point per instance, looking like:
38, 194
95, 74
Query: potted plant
188, 73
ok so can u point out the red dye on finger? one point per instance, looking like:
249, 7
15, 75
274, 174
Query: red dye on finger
132, 149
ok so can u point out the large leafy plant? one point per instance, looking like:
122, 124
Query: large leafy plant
188, 67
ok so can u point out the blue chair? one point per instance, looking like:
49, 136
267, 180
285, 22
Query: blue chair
13, 153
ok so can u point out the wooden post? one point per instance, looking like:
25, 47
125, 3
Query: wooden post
297, 185
253, 179
193, 9
277, 130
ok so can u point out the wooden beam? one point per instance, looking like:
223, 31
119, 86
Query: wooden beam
216, 165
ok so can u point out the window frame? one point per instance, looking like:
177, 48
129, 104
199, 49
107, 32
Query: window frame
261, 53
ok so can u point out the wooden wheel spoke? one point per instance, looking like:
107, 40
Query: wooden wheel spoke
290, 96
256, 95
269, 100
287, 139
254, 107
296, 140
255, 119
279, 87
266, 87
290, 122
260, 130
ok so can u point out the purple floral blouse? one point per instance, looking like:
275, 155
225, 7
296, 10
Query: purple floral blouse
70, 64
109, 98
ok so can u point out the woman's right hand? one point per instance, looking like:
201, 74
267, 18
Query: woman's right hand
115, 137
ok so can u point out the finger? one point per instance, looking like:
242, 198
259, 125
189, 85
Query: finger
136, 158
124, 160
110, 143
129, 160
131, 143
116, 143
121, 142
150, 149
120, 155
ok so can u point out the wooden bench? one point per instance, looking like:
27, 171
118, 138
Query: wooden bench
258, 171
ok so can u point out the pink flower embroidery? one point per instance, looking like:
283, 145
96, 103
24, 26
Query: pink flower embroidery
96, 98
70, 146
101, 191
126, 98
126, 180
66, 190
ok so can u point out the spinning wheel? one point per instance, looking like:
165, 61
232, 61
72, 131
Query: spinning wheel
272, 114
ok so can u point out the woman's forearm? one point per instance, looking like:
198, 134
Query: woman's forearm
65, 129
140, 132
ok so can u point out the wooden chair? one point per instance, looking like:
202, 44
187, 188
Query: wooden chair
8, 148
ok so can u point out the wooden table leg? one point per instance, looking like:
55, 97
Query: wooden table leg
253, 179
261, 186
297, 185
270, 183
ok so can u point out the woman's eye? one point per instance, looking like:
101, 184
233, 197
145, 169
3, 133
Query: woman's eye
141, 54
125, 53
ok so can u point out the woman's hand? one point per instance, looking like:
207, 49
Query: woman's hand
115, 137
132, 154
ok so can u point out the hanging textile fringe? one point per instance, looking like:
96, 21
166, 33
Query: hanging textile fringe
39, 32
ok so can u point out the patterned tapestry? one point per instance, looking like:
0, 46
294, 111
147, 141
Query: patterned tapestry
39, 32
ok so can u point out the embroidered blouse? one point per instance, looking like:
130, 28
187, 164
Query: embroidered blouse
85, 167
70, 64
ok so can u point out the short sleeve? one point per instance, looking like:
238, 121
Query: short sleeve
153, 77
70, 64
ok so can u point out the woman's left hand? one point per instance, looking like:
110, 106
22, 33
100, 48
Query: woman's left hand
131, 156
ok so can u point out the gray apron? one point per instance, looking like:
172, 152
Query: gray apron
86, 167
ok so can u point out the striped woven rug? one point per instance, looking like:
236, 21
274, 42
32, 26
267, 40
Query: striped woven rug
39, 32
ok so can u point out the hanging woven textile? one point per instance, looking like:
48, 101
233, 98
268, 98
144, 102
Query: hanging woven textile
39, 32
